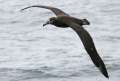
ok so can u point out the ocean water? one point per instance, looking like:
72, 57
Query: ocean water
31, 52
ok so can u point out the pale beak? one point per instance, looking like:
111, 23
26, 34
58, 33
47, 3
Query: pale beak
48, 22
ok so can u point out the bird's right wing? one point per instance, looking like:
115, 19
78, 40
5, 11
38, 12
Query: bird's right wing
89, 46
56, 11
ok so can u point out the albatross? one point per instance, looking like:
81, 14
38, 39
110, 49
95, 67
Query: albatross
64, 20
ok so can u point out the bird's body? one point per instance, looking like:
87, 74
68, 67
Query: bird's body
59, 23
63, 20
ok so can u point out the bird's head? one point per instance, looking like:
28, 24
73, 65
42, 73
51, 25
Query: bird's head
85, 22
52, 21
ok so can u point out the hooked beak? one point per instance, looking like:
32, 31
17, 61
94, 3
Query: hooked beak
85, 22
48, 22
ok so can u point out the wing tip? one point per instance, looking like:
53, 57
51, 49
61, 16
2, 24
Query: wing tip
24, 9
106, 75
29, 7
104, 71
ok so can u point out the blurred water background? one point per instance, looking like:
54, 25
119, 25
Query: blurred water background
29, 52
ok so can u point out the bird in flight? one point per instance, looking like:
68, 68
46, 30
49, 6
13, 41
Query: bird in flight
64, 20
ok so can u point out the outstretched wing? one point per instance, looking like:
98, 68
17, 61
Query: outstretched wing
88, 44
56, 11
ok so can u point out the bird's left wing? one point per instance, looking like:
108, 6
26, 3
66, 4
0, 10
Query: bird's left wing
56, 11
89, 45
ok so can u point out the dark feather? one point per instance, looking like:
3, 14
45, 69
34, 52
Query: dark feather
89, 46
56, 11
85, 37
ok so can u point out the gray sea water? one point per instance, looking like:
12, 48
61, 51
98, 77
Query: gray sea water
31, 52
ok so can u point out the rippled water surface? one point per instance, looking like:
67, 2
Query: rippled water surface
31, 52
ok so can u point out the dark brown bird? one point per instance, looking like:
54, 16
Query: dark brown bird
64, 20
